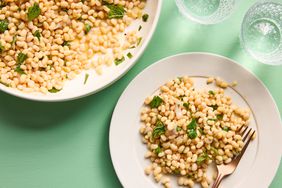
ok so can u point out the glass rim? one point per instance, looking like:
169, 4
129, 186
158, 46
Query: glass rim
257, 56
205, 21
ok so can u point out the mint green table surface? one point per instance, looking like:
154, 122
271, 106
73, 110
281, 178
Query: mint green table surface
65, 145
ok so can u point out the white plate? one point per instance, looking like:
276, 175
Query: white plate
76, 89
261, 160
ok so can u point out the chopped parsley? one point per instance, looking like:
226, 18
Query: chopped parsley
87, 28
211, 92
192, 124
191, 129
1, 48
54, 90
158, 150
86, 78
201, 131
186, 105
192, 134
64, 9
178, 128
145, 17
3, 25
156, 102
219, 116
37, 34
140, 27
214, 107
33, 12
214, 151
2, 4
14, 40
66, 43
211, 119
225, 128
129, 55
176, 171
119, 61
159, 129
116, 11
20, 60
202, 158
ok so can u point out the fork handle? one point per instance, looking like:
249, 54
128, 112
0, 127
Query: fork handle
218, 180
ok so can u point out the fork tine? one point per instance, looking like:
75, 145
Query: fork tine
244, 130
240, 129
245, 137
249, 136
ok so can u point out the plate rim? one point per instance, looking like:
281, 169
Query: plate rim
133, 62
276, 109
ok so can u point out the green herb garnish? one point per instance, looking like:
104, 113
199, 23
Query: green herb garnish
54, 90
192, 124
214, 107
176, 171
189, 176
14, 40
211, 92
158, 150
211, 119
219, 116
64, 9
19, 70
1, 48
203, 157
87, 28
186, 105
156, 102
2, 4
116, 11
20, 60
225, 128
178, 128
66, 43
191, 129
181, 97
159, 129
86, 78
140, 27
215, 151
145, 17
129, 55
33, 12
119, 61
192, 134
3, 25
201, 131
37, 34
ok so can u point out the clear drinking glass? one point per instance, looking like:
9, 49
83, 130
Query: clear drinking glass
261, 32
206, 11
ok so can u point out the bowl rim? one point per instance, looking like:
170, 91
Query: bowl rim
20, 94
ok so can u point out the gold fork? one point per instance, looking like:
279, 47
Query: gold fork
227, 169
